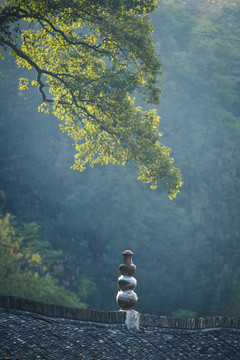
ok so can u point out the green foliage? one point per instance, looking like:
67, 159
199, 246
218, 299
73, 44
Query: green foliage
180, 313
94, 57
187, 251
22, 272
201, 58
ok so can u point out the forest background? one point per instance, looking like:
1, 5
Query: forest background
63, 241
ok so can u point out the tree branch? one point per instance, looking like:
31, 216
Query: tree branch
18, 13
69, 41
39, 71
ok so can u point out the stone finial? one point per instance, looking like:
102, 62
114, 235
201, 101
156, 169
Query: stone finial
126, 297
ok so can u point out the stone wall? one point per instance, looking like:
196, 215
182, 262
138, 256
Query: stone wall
189, 323
116, 317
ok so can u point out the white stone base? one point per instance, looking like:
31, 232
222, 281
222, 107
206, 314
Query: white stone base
132, 319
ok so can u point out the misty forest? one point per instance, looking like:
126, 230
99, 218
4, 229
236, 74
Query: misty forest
115, 137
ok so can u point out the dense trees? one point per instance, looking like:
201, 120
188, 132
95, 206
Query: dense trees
23, 272
92, 57
187, 251
202, 79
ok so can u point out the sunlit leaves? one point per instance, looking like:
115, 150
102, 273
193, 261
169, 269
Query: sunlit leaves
90, 60
23, 84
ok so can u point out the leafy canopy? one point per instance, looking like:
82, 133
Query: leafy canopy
22, 270
91, 57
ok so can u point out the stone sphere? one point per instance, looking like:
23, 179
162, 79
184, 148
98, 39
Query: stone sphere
126, 299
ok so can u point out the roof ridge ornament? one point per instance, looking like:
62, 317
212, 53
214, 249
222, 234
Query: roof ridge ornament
126, 297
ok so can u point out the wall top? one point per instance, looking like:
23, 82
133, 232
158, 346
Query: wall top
116, 317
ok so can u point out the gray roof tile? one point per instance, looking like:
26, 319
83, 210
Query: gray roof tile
26, 335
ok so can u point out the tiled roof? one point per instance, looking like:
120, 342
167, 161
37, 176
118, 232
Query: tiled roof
30, 335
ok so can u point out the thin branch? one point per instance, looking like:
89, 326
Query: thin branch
8, 13
93, 47
17, 14
39, 71
24, 56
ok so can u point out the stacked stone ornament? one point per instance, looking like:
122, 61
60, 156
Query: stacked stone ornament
126, 297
